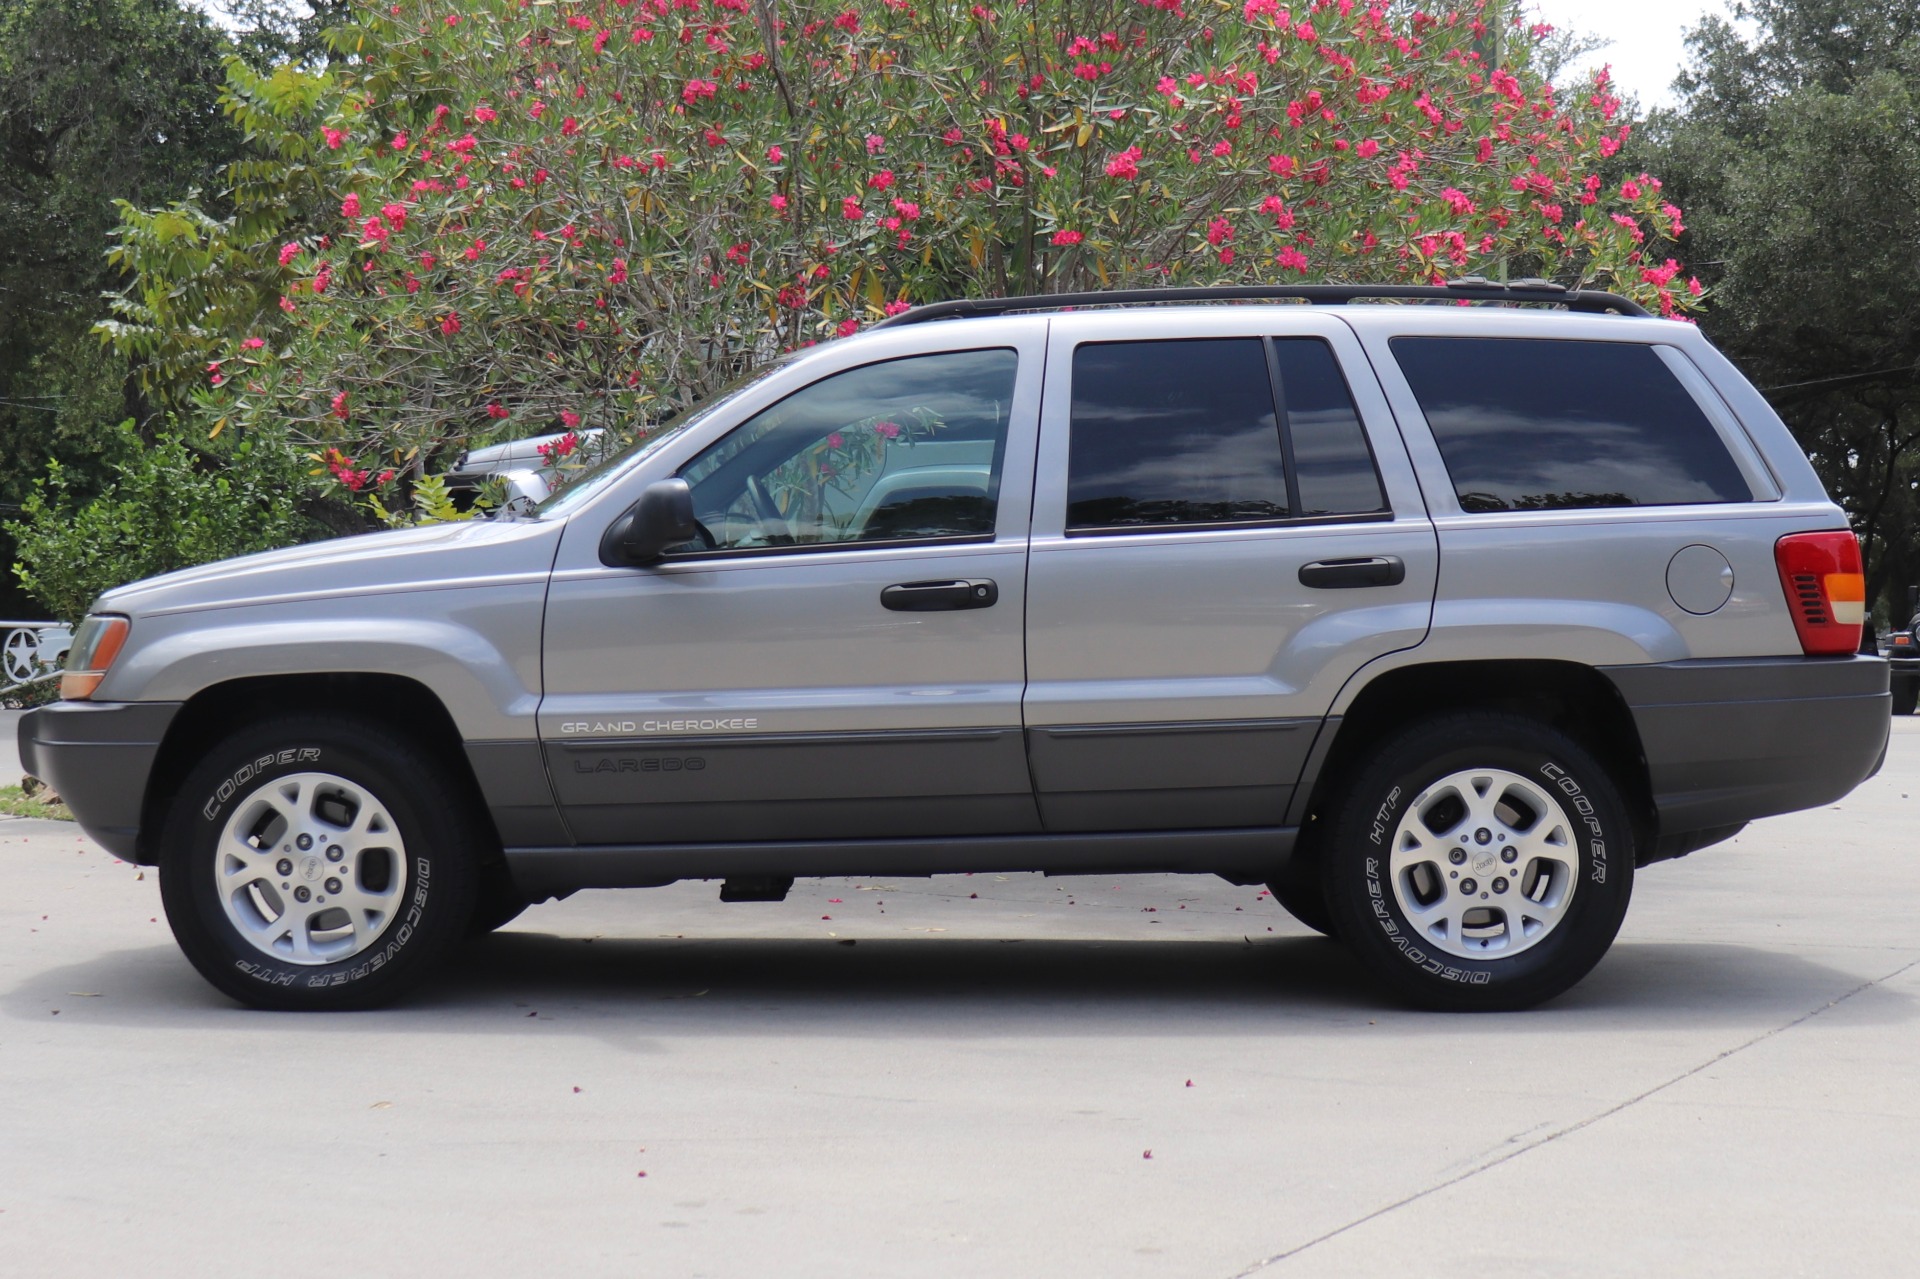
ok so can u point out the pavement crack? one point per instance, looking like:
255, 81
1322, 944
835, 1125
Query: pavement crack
1568, 1130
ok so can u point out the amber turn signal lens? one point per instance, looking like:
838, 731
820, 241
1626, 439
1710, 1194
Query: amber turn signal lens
94, 648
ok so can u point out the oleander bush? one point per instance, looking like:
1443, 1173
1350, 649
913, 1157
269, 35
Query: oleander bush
493, 218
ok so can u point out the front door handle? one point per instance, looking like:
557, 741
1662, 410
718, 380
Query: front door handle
939, 597
1365, 570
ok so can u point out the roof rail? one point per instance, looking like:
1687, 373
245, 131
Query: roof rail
1470, 287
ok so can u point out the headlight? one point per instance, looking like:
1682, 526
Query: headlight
98, 642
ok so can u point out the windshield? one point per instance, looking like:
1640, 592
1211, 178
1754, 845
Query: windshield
598, 476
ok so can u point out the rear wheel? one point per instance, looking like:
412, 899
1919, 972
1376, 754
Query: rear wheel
318, 862
1479, 862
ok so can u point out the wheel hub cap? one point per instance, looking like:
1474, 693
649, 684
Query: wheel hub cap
311, 869
1484, 863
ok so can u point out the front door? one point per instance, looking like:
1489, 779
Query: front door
840, 655
1226, 528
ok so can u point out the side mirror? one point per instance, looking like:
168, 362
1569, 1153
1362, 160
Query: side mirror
663, 517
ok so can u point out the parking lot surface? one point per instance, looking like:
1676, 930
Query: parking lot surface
983, 1075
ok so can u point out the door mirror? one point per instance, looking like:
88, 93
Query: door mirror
663, 517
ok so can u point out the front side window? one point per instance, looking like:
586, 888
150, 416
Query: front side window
905, 450
1529, 424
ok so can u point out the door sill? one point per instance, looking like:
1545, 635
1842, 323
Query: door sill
1245, 854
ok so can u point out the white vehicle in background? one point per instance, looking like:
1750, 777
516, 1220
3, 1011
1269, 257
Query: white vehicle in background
33, 650
520, 466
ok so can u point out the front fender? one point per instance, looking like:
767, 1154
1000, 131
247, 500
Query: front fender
477, 649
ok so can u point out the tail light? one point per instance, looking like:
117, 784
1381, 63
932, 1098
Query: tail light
1826, 590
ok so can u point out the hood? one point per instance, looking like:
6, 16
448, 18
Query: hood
496, 457
433, 556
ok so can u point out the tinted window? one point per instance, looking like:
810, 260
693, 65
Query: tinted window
904, 450
1331, 462
1530, 425
1173, 433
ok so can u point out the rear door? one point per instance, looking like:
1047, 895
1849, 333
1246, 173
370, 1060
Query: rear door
1226, 527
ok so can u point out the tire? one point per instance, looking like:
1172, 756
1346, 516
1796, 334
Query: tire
372, 803
1906, 694
1472, 786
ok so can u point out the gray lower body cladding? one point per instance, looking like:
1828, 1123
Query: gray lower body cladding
97, 757
1730, 740
1244, 855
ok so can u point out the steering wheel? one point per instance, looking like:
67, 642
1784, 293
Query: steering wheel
774, 523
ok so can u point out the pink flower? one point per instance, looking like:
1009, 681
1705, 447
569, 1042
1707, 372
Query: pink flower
334, 138
895, 308
570, 418
881, 180
569, 127
836, 440
1125, 165
396, 215
450, 325
775, 155
1066, 239
399, 142
254, 344
846, 329
1630, 189
288, 252
1457, 201
537, 110
890, 430
475, 249
1293, 259
619, 272
350, 207
777, 202
1219, 231
850, 209
875, 144
485, 115
1281, 166
495, 411
340, 406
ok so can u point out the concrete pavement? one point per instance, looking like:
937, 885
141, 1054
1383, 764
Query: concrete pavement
973, 1087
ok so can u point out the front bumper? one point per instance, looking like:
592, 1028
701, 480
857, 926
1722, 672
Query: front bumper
97, 756
1729, 740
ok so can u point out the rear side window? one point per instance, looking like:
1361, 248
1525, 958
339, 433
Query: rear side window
1331, 459
1173, 433
1216, 431
1527, 424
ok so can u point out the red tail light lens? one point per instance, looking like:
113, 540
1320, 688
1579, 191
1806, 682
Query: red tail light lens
1826, 590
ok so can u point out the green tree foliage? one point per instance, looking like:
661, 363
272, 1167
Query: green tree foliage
1796, 153
167, 506
99, 99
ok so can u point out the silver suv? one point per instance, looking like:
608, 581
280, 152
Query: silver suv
1441, 617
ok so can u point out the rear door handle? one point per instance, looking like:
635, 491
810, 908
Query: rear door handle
940, 597
1365, 570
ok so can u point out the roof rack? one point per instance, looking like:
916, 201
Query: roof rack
1470, 287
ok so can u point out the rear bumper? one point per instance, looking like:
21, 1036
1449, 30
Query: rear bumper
97, 756
1729, 740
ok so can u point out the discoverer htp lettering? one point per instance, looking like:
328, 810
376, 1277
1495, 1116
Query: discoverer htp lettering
1377, 904
247, 772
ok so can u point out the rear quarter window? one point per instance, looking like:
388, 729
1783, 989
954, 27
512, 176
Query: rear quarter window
1527, 424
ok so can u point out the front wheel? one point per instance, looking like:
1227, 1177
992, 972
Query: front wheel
318, 862
1480, 862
